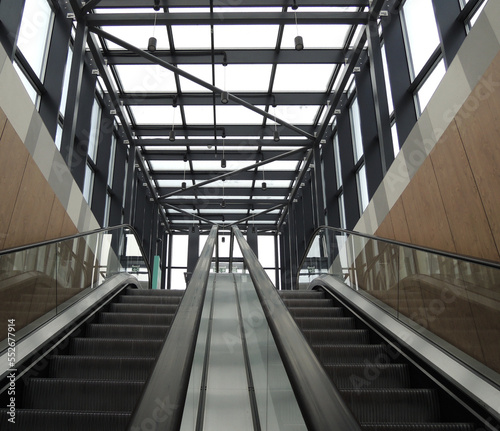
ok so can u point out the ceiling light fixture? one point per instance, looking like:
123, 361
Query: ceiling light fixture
183, 185
264, 184
152, 40
299, 42
224, 97
276, 134
223, 161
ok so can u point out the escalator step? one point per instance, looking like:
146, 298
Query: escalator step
298, 294
150, 299
317, 312
100, 368
136, 319
149, 332
369, 376
353, 354
82, 395
142, 308
47, 420
114, 347
325, 322
419, 427
393, 405
292, 303
154, 292
337, 336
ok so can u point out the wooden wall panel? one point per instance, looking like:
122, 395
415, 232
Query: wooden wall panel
56, 220
68, 227
424, 209
3, 121
480, 133
13, 159
464, 209
399, 223
385, 230
32, 210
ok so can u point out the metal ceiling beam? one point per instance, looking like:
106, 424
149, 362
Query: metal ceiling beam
246, 3
258, 215
234, 56
91, 4
198, 81
212, 142
231, 191
191, 215
230, 203
230, 174
208, 175
250, 130
210, 155
197, 99
227, 18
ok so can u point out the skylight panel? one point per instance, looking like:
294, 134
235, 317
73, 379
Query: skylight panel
243, 77
244, 37
303, 77
280, 165
138, 36
155, 115
237, 114
191, 36
297, 114
169, 165
199, 114
140, 78
215, 165
315, 36
201, 71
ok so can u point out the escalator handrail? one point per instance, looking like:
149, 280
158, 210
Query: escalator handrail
164, 395
429, 250
320, 402
80, 235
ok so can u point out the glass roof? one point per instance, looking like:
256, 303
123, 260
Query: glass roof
252, 56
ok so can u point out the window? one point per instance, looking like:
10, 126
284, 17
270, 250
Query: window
343, 223
94, 130
356, 130
422, 37
338, 166
67, 73
395, 139
111, 166
429, 86
363, 198
387, 81
27, 84
88, 184
58, 139
34, 34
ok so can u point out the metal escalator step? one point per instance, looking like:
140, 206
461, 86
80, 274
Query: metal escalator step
142, 308
369, 376
136, 318
154, 292
353, 354
150, 299
298, 294
337, 336
100, 368
419, 427
292, 303
317, 312
82, 395
114, 347
142, 332
393, 405
325, 322
48, 420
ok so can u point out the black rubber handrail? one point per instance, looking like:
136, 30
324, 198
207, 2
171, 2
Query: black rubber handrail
162, 402
470, 259
79, 235
320, 402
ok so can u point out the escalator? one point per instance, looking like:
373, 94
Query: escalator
96, 381
381, 388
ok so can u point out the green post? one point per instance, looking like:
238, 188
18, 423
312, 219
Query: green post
155, 283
